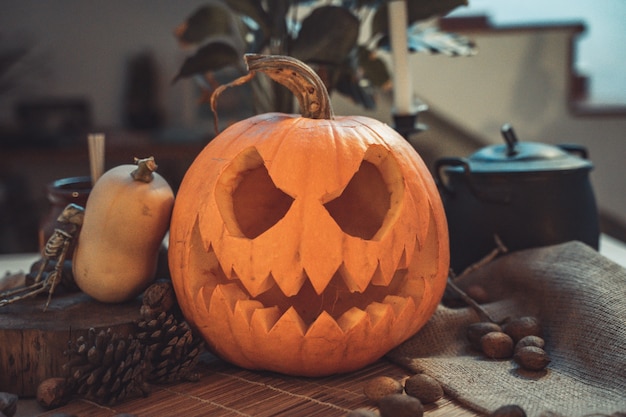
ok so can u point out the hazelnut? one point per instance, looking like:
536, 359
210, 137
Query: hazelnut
380, 386
8, 404
530, 341
362, 412
53, 393
532, 358
521, 327
400, 405
509, 411
424, 388
478, 294
477, 330
497, 345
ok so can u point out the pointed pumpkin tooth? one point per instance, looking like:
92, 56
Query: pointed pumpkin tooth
404, 259
404, 323
320, 281
357, 325
355, 283
397, 303
218, 323
324, 331
255, 285
263, 319
352, 318
360, 262
228, 294
380, 314
380, 278
246, 308
289, 283
290, 324
229, 273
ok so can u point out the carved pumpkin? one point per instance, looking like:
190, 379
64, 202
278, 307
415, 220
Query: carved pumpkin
307, 245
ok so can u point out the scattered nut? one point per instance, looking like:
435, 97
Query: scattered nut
400, 405
478, 293
497, 345
380, 386
158, 297
509, 411
477, 330
532, 358
53, 392
424, 388
521, 327
530, 341
362, 412
8, 404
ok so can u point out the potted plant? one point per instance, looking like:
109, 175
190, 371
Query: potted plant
325, 35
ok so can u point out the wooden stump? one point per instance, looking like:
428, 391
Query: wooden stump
33, 342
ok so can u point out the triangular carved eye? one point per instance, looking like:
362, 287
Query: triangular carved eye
247, 197
362, 206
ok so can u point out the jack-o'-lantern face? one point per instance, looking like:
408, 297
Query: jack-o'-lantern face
305, 246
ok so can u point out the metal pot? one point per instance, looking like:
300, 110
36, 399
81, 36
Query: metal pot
528, 194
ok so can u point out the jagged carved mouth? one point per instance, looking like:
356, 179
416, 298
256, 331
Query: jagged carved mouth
375, 305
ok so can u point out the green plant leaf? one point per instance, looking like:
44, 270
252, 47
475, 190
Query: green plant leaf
210, 57
373, 68
417, 10
255, 11
359, 94
213, 19
432, 40
327, 36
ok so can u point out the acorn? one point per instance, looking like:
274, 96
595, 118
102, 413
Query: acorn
521, 327
477, 330
478, 294
530, 340
362, 412
53, 392
8, 404
510, 410
497, 345
380, 386
532, 358
423, 387
400, 405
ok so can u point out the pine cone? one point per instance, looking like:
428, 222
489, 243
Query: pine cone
172, 348
106, 367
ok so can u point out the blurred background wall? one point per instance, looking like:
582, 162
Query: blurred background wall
82, 54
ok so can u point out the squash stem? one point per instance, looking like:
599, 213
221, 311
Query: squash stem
145, 169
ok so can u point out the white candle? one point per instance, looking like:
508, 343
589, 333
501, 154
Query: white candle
402, 86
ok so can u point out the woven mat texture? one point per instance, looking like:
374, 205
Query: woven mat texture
579, 297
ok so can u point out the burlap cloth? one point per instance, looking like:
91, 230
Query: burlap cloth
580, 298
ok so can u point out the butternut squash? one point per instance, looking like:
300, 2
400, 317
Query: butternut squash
126, 218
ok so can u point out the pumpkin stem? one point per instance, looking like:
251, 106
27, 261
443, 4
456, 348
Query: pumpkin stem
145, 168
299, 78
294, 74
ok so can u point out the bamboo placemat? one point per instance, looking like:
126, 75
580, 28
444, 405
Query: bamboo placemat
225, 390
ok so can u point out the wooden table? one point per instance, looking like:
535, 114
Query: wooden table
226, 390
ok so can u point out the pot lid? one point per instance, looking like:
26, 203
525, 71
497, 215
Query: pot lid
520, 157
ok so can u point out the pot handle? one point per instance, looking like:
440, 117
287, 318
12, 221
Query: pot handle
500, 197
450, 162
577, 149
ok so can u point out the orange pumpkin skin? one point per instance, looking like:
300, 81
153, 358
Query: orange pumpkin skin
308, 247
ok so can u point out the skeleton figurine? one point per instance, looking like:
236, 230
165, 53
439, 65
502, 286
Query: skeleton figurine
54, 253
